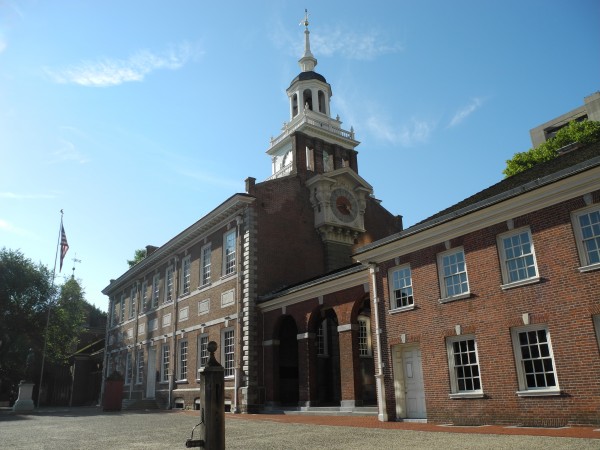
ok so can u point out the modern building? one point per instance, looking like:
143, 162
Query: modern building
487, 312
206, 283
590, 110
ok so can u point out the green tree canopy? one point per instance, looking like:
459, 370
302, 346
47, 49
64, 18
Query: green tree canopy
137, 257
583, 132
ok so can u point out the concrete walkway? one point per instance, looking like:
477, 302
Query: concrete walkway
91, 428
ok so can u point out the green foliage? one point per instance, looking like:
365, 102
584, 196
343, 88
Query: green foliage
137, 257
583, 132
25, 291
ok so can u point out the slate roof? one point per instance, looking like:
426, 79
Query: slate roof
574, 161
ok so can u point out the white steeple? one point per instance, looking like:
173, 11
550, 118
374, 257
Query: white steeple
308, 62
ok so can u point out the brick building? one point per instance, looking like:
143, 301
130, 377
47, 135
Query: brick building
487, 312
207, 282
490, 309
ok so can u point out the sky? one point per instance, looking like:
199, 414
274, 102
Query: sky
136, 118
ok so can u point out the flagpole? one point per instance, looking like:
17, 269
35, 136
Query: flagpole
60, 230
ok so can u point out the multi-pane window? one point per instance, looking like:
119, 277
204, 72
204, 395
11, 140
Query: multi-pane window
183, 357
140, 366
169, 284
115, 312
364, 336
534, 359
322, 348
205, 265
122, 308
228, 352
165, 358
128, 368
453, 273
596, 319
464, 365
144, 303
132, 300
155, 290
229, 252
202, 350
587, 231
517, 256
186, 265
401, 288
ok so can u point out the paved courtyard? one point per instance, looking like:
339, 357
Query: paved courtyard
90, 428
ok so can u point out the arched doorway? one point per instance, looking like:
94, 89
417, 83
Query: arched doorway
328, 359
288, 362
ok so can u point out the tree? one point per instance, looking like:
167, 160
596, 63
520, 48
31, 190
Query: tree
583, 132
25, 292
137, 257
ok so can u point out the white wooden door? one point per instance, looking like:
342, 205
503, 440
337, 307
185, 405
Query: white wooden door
413, 383
408, 382
151, 377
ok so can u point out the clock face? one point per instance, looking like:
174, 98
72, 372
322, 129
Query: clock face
344, 205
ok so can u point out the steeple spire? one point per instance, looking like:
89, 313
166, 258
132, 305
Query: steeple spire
308, 62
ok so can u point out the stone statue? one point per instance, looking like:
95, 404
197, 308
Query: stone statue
29, 363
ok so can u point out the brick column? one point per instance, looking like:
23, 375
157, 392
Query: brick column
271, 359
349, 367
307, 369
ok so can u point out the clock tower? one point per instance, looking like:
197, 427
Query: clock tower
315, 147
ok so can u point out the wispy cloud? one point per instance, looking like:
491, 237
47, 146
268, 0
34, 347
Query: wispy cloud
209, 179
112, 72
353, 45
14, 196
67, 151
406, 135
466, 111
10, 228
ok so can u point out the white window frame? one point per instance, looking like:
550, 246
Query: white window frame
169, 284
203, 353
229, 253
524, 390
144, 297
155, 290
153, 324
205, 264
455, 390
228, 351
504, 261
128, 369
140, 366
132, 302
596, 319
182, 360
165, 361
397, 284
186, 275
122, 308
365, 347
442, 277
584, 260
206, 301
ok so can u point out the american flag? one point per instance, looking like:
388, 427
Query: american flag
64, 246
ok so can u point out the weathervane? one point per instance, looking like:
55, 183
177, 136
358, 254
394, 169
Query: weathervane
305, 20
75, 260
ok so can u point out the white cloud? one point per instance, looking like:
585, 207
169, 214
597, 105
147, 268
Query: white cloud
10, 228
406, 135
13, 196
465, 112
68, 152
112, 72
352, 45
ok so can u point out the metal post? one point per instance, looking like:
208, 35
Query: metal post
212, 405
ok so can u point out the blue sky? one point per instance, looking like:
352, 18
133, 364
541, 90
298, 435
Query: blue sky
138, 117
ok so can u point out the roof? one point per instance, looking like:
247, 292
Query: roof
563, 166
310, 75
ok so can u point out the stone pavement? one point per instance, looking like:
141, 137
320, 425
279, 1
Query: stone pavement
91, 428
